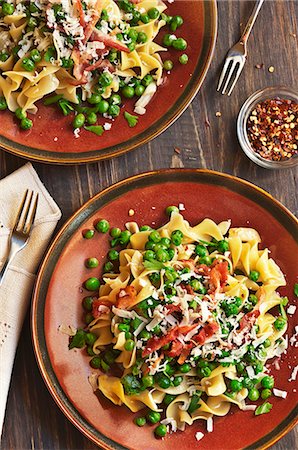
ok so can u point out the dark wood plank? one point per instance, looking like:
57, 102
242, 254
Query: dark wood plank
33, 421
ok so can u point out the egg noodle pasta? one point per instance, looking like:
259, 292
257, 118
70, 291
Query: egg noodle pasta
183, 321
85, 53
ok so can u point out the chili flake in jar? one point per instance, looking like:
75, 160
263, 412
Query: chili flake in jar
272, 129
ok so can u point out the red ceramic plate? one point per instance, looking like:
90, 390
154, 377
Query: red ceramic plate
52, 140
58, 295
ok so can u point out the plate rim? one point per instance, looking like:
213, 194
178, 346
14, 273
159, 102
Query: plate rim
51, 157
105, 442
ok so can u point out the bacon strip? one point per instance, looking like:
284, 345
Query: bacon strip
218, 276
249, 319
109, 41
126, 297
95, 307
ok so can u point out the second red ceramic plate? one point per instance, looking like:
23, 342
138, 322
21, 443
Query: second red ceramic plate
52, 139
58, 295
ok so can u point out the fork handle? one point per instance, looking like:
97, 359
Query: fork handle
251, 21
13, 250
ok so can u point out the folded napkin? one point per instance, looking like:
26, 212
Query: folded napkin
16, 289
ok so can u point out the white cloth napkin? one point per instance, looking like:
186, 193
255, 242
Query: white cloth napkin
15, 291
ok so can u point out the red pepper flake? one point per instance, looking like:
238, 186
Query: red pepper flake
272, 129
177, 150
259, 66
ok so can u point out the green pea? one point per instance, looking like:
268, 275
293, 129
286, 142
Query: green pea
88, 318
91, 263
266, 393
142, 37
114, 110
280, 323
35, 55
207, 260
140, 421
177, 380
133, 34
32, 23
153, 13
94, 99
87, 303
128, 335
176, 237
67, 63
145, 228
176, 22
235, 385
102, 106
231, 309
128, 91
102, 226
154, 236
108, 267
154, 278
139, 90
254, 275
92, 118
267, 343
115, 99
105, 79
168, 65
129, 345
88, 234
148, 79
92, 284
95, 362
258, 367
145, 335
136, 322
201, 251
147, 381
78, 121
162, 255
145, 18
196, 285
168, 40
123, 327
28, 64
149, 255
253, 394
115, 232
171, 209
253, 299
113, 56
26, 124
168, 399
163, 381
113, 255
166, 18
20, 114
7, 9
267, 382
223, 246
153, 416
4, 56
240, 367
160, 430
247, 383
183, 59
185, 368
179, 44
131, 46
124, 237
203, 372
90, 338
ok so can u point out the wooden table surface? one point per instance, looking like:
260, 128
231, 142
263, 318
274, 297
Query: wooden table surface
33, 421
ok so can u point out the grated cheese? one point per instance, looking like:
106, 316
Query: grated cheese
294, 374
291, 309
199, 435
279, 393
209, 424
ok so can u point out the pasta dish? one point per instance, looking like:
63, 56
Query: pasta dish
183, 322
90, 55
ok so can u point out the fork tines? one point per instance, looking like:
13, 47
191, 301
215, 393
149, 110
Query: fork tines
230, 73
26, 213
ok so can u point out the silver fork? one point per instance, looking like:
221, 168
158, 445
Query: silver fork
236, 56
22, 228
